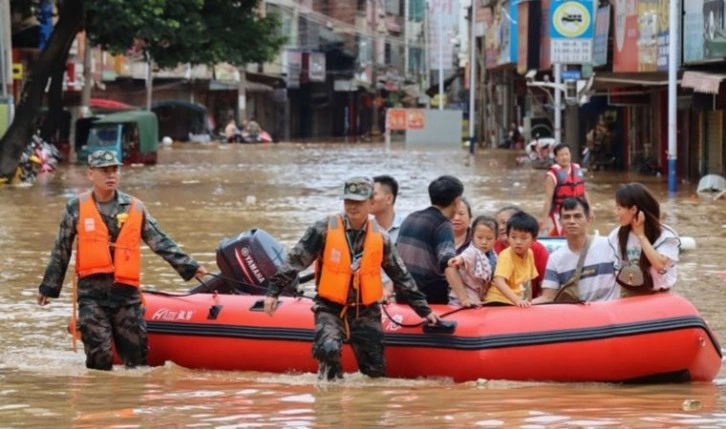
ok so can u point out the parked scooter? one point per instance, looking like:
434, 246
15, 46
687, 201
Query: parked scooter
38, 157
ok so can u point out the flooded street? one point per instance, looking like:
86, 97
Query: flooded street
203, 193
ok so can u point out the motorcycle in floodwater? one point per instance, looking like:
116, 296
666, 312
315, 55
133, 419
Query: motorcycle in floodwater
38, 157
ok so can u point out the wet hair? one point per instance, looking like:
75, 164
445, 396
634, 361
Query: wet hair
390, 183
523, 221
572, 203
509, 208
487, 221
561, 146
444, 190
467, 205
636, 195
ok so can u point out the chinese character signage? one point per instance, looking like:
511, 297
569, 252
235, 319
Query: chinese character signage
501, 37
642, 35
572, 27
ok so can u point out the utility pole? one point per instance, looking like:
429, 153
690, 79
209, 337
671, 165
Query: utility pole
242, 96
472, 79
406, 14
672, 100
440, 44
375, 128
149, 81
558, 103
5, 72
427, 53
87, 78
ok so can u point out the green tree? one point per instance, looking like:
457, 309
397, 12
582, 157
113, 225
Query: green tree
171, 32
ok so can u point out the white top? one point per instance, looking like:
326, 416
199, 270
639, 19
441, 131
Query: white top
668, 245
395, 227
393, 233
597, 281
476, 277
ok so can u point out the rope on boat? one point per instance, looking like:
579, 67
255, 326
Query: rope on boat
421, 323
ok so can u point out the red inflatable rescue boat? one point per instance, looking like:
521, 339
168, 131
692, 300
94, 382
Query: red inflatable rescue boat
655, 338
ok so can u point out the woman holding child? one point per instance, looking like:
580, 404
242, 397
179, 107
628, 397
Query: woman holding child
646, 250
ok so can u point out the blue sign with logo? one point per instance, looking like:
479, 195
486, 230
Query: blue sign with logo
571, 74
572, 28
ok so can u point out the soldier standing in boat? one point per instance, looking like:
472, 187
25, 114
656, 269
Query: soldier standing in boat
350, 250
109, 225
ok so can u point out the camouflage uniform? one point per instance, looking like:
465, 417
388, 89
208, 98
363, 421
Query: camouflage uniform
364, 322
109, 312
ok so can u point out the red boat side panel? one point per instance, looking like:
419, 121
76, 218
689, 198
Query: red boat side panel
610, 341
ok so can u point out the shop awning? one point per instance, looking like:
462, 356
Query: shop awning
707, 83
606, 80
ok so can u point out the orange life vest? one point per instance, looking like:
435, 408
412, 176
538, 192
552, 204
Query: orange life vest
336, 274
94, 243
567, 185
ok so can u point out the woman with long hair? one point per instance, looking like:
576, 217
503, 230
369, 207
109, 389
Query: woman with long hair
646, 250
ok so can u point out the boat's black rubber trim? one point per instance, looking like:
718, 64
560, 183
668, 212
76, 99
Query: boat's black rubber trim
447, 341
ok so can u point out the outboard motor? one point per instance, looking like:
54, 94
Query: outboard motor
250, 259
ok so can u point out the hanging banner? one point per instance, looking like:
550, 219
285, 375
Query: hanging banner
443, 28
501, 37
294, 68
602, 33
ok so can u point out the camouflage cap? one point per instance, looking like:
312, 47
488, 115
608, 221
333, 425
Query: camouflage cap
102, 158
357, 189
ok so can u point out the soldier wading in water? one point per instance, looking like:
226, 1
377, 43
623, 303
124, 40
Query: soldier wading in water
109, 225
350, 250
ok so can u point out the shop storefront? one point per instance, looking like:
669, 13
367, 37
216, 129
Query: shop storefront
704, 45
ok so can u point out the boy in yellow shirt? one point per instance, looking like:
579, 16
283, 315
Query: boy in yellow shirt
515, 264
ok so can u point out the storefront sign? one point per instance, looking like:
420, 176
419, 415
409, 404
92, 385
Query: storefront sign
545, 41
572, 28
316, 67
664, 34
18, 71
602, 32
294, 68
642, 35
704, 30
501, 38
416, 119
396, 119
625, 50
528, 37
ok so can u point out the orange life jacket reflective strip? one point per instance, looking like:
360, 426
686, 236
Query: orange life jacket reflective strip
94, 243
336, 275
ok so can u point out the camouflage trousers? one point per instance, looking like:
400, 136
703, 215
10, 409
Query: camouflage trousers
366, 339
103, 328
